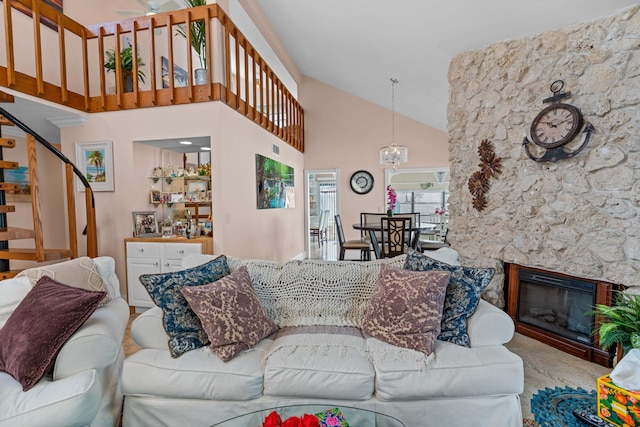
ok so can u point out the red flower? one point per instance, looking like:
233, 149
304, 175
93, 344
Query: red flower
309, 421
272, 420
291, 422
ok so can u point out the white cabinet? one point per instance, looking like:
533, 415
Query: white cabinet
150, 256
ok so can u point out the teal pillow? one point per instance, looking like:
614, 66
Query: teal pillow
462, 298
179, 321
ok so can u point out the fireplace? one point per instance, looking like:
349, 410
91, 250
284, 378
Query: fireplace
555, 308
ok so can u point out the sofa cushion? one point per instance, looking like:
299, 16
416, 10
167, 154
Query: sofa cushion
463, 294
34, 333
180, 322
231, 313
323, 362
72, 401
455, 371
198, 374
12, 292
406, 308
79, 272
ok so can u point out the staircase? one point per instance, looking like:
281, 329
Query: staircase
39, 253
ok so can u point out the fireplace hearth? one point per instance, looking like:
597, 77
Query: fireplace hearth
556, 308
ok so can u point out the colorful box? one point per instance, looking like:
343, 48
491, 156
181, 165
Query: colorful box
617, 405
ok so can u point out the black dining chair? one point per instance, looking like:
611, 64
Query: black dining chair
394, 235
360, 245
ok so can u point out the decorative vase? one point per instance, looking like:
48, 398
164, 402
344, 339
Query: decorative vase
389, 212
201, 76
127, 81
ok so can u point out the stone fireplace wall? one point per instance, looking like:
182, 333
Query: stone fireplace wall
578, 216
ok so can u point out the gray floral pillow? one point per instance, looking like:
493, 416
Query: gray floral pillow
179, 321
463, 294
231, 313
406, 308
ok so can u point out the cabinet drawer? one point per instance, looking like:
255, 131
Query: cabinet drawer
143, 250
175, 251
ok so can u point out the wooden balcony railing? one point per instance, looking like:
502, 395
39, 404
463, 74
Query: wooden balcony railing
73, 73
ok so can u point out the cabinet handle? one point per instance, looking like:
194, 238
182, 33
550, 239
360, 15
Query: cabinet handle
166, 265
140, 250
181, 251
155, 264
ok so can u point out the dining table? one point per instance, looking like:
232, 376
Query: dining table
424, 228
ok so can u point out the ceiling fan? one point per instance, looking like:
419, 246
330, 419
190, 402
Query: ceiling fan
152, 7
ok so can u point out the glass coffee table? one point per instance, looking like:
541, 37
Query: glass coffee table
356, 417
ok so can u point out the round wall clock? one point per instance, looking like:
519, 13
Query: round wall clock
361, 182
556, 125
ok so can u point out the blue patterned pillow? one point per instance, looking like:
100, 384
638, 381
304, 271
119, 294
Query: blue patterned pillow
181, 323
462, 298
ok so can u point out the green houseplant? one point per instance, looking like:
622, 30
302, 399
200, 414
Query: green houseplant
198, 40
622, 322
126, 65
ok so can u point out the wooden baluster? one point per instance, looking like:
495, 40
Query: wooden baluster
172, 92
118, 70
152, 61
71, 210
134, 63
37, 44
208, 40
8, 35
64, 92
246, 77
35, 198
103, 84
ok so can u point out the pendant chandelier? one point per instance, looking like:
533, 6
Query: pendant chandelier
393, 154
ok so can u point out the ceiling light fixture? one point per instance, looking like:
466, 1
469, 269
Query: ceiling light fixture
393, 154
205, 148
186, 142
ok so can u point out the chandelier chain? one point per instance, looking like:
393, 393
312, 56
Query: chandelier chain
393, 111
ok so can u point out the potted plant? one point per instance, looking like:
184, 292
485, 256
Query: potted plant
622, 322
198, 41
126, 66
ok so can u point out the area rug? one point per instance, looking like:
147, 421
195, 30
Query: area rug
554, 407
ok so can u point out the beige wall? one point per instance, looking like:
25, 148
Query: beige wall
239, 228
346, 132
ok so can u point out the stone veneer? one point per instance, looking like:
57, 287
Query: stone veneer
578, 216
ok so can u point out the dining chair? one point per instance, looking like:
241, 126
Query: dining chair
394, 235
360, 245
316, 229
412, 237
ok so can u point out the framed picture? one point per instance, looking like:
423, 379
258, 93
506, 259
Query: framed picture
274, 184
155, 196
145, 224
20, 177
95, 161
180, 76
196, 190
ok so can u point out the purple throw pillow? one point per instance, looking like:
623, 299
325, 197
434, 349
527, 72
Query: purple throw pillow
36, 330
406, 308
231, 313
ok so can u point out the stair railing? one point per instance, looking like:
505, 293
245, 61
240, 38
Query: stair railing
70, 170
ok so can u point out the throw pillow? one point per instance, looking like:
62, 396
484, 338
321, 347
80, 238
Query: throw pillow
40, 325
406, 308
463, 294
179, 321
79, 272
231, 313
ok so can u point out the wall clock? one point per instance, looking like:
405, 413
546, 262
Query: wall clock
361, 182
557, 125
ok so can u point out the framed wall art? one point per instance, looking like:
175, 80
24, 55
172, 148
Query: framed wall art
274, 184
145, 224
95, 161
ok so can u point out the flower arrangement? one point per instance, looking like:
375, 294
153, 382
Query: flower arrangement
391, 199
330, 417
441, 211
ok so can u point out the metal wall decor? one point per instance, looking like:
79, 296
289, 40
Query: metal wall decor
490, 166
557, 125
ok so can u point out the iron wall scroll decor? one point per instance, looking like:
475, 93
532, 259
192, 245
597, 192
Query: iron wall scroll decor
557, 125
490, 166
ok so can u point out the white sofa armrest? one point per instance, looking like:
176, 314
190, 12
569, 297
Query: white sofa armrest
97, 343
147, 330
489, 326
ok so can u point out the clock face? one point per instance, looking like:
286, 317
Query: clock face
361, 182
556, 125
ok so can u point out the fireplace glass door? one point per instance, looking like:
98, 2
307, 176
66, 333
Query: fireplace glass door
557, 304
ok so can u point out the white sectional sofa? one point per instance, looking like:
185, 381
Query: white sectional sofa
84, 387
327, 361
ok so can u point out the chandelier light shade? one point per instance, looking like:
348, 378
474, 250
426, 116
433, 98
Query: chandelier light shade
392, 155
